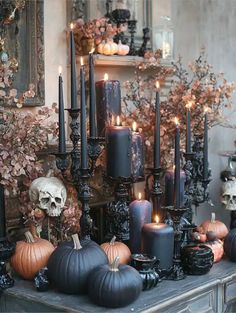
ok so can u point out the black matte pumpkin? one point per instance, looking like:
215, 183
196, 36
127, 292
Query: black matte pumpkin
71, 263
114, 286
230, 245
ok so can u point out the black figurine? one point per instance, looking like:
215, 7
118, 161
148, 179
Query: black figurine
146, 39
41, 281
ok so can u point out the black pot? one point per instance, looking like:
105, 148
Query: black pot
196, 259
145, 265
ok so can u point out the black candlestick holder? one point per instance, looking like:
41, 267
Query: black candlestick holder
6, 251
117, 217
120, 17
132, 24
95, 147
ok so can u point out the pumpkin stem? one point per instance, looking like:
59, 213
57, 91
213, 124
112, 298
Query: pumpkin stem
112, 242
29, 237
77, 244
213, 217
114, 265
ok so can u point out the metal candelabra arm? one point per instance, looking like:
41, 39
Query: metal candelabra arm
95, 148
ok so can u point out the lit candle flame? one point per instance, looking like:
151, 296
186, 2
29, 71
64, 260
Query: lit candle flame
157, 84
206, 109
176, 121
92, 51
71, 26
60, 69
105, 76
118, 121
189, 104
81, 61
134, 126
139, 196
157, 219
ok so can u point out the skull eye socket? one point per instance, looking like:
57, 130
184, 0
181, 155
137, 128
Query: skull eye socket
227, 197
58, 200
234, 198
45, 200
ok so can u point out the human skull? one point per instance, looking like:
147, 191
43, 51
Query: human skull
228, 197
48, 193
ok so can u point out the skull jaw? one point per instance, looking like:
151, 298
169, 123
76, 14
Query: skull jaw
54, 212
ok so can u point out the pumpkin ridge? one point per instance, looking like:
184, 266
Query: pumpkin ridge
101, 287
68, 260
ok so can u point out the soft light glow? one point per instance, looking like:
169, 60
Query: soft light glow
206, 109
157, 219
59, 69
81, 61
139, 196
71, 26
157, 85
118, 121
176, 121
105, 76
134, 126
92, 51
189, 104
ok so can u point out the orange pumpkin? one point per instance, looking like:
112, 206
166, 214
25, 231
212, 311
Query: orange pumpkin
199, 236
115, 248
218, 227
217, 249
31, 255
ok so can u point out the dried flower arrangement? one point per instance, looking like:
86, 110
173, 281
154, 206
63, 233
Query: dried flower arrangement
198, 84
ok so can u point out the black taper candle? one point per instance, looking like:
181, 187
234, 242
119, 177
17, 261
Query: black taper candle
157, 149
2, 214
205, 147
83, 130
62, 136
177, 167
92, 108
74, 102
188, 130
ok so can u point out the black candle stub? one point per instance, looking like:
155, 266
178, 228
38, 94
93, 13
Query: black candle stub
108, 103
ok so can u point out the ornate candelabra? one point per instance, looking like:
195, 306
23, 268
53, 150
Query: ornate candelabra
120, 17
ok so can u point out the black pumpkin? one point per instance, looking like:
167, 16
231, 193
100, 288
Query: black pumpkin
230, 245
114, 286
71, 263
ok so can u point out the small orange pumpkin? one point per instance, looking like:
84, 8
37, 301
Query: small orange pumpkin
31, 255
217, 249
218, 227
199, 236
115, 248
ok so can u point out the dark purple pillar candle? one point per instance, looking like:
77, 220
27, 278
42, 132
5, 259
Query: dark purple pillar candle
158, 240
169, 187
62, 138
137, 153
2, 214
205, 148
108, 103
118, 151
140, 213
74, 103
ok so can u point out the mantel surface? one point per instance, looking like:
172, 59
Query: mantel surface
150, 301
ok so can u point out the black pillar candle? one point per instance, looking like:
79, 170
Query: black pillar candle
169, 187
118, 151
108, 102
157, 149
83, 129
74, 103
2, 214
188, 128
205, 147
177, 166
158, 240
92, 98
137, 153
62, 136
140, 213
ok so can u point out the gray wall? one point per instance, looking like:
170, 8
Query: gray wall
212, 24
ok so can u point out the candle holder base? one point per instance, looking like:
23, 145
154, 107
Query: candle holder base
177, 272
6, 251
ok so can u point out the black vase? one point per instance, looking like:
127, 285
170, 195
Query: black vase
146, 265
196, 259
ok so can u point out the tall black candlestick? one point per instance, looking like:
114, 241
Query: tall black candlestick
62, 140
157, 154
205, 148
83, 130
188, 131
74, 103
177, 168
92, 111
2, 214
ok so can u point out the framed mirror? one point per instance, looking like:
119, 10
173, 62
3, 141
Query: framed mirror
24, 41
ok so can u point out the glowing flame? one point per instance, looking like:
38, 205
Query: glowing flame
71, 26
60, 69
105, 76
92, 51
157, 84
157, 219
189, 104
206, 109
176, 121
81, 61
118, 121
134, 126
139, 196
